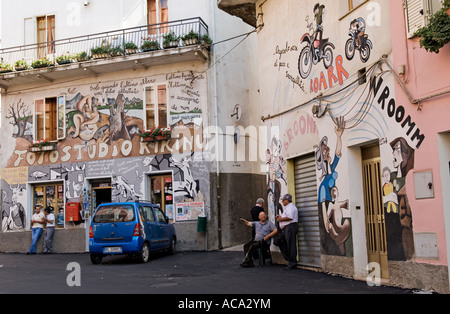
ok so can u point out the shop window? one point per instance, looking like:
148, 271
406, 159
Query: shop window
156, 106
161, 193
49, 118
51, 195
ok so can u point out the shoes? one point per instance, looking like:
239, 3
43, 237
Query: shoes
30, 253
246, 265
289, 267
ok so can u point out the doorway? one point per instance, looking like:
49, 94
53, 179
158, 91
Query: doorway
100, 192
374, 213
161, 192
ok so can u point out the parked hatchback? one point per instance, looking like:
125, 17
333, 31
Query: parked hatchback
132, 228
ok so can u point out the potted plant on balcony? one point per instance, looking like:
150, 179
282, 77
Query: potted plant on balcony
206, 40
146, 136
100, 52
21, 65
64, 59
42, 62
5, 68
82, 56
115, 51
164, 134
170, 40
42, 146
190, 38
150, 45
130, 48
156, 133
436, 34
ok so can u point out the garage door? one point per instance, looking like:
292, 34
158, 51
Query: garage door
308, 214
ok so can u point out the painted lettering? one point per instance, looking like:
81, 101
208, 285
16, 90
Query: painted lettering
395, 111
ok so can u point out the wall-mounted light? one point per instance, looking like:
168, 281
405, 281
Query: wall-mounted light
86, 3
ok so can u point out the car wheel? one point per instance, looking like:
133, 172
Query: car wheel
96, 259
144, 254
173, 246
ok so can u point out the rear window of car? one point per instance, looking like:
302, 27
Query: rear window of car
114, 213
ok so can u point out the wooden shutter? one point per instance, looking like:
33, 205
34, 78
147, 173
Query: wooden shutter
61, 117
414, 17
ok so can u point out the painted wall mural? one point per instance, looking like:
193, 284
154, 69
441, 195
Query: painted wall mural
334, 213
102, 122
397, 211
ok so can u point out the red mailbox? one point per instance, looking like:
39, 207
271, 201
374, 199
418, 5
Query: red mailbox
73, 211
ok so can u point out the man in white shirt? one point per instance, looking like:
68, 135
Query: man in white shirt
49, 230
37, 227
288, 221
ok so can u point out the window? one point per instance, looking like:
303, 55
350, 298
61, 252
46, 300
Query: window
156, 106
354, 3
45, 35
148, 213
160, 215
51, 194
418, 13
49, 118
157, 12
114, 213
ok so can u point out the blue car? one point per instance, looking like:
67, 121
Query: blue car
132, 228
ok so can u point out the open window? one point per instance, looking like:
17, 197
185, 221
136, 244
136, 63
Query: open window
49, 118
156, 101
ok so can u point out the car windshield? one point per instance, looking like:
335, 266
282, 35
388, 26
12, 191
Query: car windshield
114, 213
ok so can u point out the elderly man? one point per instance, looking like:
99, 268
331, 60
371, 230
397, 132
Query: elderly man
289, 227
264, 231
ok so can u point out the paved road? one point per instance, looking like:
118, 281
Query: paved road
184, 273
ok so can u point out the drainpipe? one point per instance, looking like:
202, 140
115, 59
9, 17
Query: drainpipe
407, 93
216, 121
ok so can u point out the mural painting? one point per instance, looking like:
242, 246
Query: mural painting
358, 40
102, 125
276, 175
397, 211
334, 214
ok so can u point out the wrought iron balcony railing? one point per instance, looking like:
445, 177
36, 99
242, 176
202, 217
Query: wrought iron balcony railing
102, 45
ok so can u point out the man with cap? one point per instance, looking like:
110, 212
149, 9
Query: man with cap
288, 221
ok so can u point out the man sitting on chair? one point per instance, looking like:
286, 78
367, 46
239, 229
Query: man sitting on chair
264, 230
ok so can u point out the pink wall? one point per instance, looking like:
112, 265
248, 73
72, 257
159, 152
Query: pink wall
426, 74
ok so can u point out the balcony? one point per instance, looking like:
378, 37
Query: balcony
101, 53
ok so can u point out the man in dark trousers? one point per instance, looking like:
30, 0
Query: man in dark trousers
254, 212
289, 227
265, 230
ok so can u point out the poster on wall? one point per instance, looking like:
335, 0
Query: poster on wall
189, 211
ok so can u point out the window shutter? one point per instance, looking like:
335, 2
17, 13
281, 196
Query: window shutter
413, 16
61, 117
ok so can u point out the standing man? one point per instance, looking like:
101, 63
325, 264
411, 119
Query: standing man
49, 230
255, 211
37, 227
288, 223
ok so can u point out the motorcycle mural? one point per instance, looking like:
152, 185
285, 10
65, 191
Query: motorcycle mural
316, 49
358, 41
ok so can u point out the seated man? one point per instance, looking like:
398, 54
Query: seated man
264, 230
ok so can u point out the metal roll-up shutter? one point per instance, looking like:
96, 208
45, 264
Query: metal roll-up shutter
308, 214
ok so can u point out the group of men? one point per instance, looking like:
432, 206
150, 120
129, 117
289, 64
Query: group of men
38, 220
264, 230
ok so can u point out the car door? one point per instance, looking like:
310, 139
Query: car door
163, 228
152, 228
